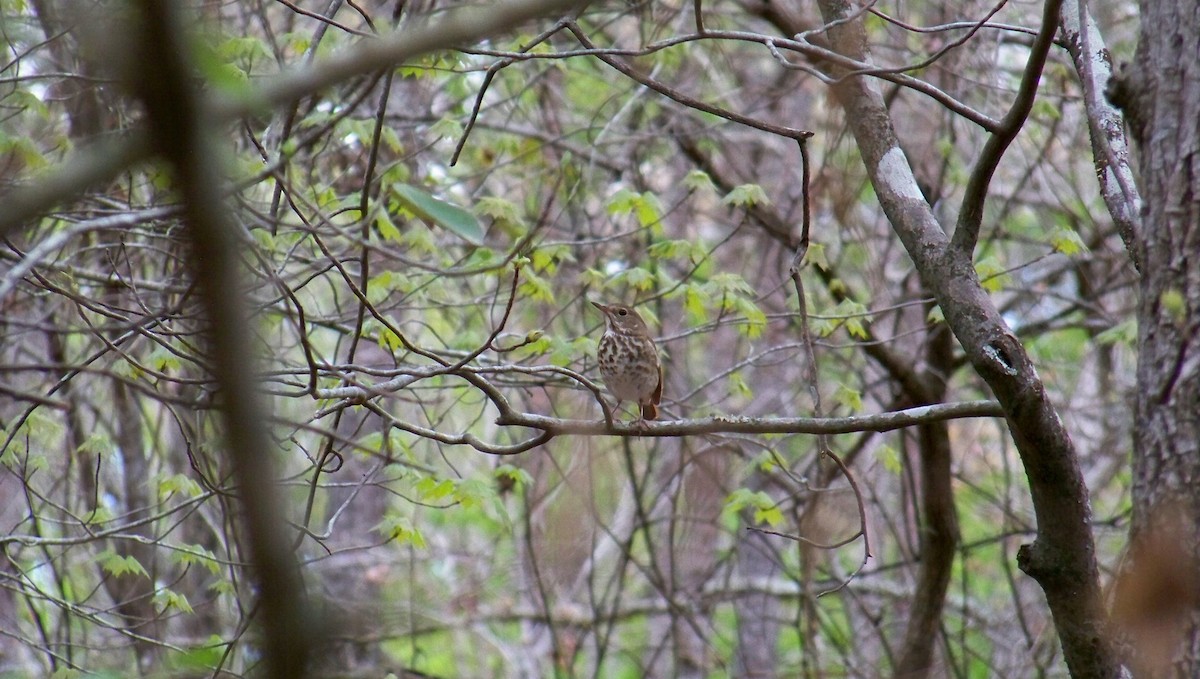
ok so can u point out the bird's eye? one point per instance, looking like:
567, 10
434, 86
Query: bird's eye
622, 312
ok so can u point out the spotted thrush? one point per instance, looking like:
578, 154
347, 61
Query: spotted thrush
629, 360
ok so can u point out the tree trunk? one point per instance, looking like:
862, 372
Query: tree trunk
1158, 600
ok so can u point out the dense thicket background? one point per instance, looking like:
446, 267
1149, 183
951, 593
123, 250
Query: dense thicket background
298, 370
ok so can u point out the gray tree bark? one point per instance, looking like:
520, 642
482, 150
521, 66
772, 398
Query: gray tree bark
1158, 597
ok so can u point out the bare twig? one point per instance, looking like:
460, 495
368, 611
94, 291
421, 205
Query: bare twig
970, 215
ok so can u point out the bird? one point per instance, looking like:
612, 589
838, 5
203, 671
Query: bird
629, 360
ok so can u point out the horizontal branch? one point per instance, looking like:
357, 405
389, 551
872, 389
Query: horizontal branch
728, 424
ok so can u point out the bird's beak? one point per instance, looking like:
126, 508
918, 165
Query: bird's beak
600, 306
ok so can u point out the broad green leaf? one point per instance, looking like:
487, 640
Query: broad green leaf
437, 211
400, 529
116, 564
853, 316
446, 128
499, 209
698, 180
547, 257
746, 195
738, 499
890, 458
100, 516
389, 340
848, 397
166, 598
670, 249
219, 73
644, 206
518, 475
471, 493
816, 255
728, 284
178, 483
536, 288
430, 488
693, 304
737, 384
992, 274
203, 657
387, 228
769, 515
756, 320
1067, 241
197, 554
1173, 303
636, 277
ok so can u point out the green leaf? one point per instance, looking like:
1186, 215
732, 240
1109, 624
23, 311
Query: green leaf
698, 180
166, 598
1067, 241
724, 284
163, 360
536, 288
1046, 110
636, 277
100, 516
387, 228
24, 149
471, 493
564, 353
547, 257
739, 499
446, 128
116, 564
197, 554
1173, 303
500, 209
203, 657
768, 515
852, 315
890, 457
671, 249
219, 73
389, 340
178, 483
437, 211
816, 255
737, 385
848, 397
746, 195
766, 510
400, 529
756, 320
644, 206
992, 274
519, 476
430, 488
693, 304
